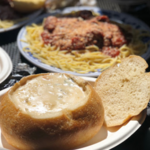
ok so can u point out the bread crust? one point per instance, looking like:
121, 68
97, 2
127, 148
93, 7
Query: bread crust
127, 75
67, 131
26, 6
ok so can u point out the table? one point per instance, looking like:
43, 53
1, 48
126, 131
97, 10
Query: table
140, 139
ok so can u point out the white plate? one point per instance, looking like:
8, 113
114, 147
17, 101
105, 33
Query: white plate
5, 65
24, 21
115, 16
105, 139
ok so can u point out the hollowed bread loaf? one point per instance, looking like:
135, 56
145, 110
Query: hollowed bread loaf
124, 90
50, 111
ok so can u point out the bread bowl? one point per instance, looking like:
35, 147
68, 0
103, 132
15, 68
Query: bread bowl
28, 124
26, 6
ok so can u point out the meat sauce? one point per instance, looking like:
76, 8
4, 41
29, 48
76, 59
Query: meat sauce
76, 33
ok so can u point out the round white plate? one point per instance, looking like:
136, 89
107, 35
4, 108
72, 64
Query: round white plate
5, 65
24, 21
115, 16
106, 138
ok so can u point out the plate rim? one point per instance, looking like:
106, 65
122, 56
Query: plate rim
5, 60
112, 11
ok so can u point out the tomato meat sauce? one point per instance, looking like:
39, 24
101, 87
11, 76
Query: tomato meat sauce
84, 29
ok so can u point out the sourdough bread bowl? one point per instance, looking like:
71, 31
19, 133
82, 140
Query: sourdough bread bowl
27, 6
50, 111
124, 90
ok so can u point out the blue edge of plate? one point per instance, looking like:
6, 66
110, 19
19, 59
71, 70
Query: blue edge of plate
115, 16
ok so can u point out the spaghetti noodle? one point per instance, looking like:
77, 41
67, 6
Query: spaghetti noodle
6, 24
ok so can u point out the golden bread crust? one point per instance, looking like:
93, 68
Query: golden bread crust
26, 6
64, 132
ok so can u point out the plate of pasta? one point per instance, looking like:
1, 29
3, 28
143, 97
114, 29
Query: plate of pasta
83, 40
15, 20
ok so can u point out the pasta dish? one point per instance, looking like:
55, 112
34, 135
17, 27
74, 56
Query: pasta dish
8, 17
83, 42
